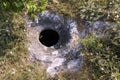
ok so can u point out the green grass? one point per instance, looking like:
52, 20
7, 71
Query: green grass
14, 63
102, 54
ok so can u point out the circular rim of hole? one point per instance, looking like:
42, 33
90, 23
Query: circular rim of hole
49, 37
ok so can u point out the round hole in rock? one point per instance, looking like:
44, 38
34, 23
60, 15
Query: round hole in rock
48, 37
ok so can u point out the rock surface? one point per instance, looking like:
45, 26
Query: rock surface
65, 55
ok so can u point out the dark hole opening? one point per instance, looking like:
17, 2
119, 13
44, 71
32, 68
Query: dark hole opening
48, 37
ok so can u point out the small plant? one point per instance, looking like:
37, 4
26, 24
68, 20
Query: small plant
103, 55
